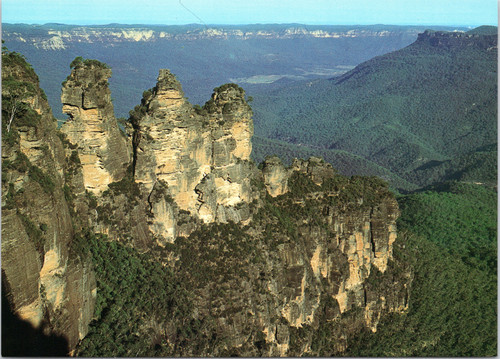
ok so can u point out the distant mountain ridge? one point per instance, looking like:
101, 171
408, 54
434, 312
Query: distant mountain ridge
256, 57
431, 101
55, 36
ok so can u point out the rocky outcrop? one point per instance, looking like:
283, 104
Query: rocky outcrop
344, 243
49, 283
298, 272
456, 40
314, 268
91, 125
201, 155
275, 176
315, 168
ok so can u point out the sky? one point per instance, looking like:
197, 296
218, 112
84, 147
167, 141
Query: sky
327, 12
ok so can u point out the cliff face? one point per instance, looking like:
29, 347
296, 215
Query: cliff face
283, 261
54, 38
51, 285
344, 242
456, 40
92, 126
202, 157
313, 268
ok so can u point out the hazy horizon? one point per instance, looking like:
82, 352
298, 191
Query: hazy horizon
468, 13
244, 24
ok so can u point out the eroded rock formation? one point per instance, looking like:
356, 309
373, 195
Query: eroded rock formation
50, 284
265, 273
92, 125
202, 156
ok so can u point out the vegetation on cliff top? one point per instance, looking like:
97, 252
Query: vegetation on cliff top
79, 62
19, 87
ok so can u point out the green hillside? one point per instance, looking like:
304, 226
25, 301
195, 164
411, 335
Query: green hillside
345, 163
448, 236
459, 217
480, 166
431, 101
484, 30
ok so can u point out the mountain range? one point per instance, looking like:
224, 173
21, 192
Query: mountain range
411, 111
202, 56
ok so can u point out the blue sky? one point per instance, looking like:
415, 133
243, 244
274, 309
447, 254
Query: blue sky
412, 12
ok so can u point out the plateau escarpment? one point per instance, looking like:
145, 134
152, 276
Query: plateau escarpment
59, 37
456, 40
279, 261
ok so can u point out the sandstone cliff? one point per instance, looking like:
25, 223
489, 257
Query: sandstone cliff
52, 37
453, 41
92, 126
312, 269
272, 262
342, 237
201, 156
50, 283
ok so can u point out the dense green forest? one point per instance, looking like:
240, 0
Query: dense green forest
428, 103
449, 237
459, 217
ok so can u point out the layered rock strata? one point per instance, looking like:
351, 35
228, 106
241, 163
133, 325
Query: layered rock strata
314, 260
363, 236
202, 156
47, 283
92, 126
305, 265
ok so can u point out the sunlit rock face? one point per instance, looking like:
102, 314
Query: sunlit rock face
201, 154
275, 176
46, 283
92, 125
301, 266
342, 245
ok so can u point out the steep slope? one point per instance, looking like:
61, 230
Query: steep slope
202, 159
47, 280
92, 126
295, 281
431, 101
194, 250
